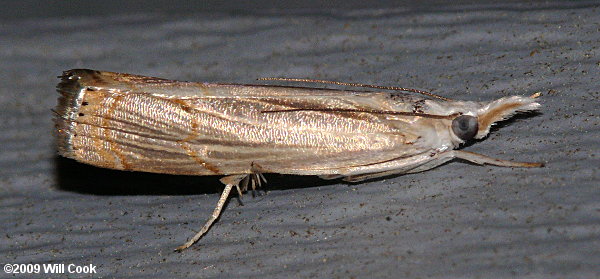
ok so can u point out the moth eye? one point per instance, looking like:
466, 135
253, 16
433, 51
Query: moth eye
465, 127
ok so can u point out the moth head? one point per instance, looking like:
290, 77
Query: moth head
475, 119
477, 123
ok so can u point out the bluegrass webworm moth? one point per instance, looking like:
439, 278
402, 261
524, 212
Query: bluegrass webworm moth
137, 123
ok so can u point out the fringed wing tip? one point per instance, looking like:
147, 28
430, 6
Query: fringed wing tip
67, 109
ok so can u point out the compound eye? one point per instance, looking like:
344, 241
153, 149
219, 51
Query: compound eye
465, 127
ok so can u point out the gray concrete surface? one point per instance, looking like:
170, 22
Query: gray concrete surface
456, 221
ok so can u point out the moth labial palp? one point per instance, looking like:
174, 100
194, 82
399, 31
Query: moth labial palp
137, 123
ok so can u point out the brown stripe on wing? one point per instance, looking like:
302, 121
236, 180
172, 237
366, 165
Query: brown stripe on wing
285, 104
183, 143
141, 154
196, 157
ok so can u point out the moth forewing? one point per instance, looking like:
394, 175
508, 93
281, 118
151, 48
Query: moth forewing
137, 123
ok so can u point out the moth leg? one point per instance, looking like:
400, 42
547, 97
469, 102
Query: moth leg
405, 166
229, 181
241, 187
261, 177
416, 167
482, 159
257, 176
253, 181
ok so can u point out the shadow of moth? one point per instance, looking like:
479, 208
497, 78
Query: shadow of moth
137, 123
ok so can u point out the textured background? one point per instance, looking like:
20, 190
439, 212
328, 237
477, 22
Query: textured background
459, 220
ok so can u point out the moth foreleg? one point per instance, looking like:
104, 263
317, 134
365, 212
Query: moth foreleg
230, 182
408, 165
399, 170
482, 159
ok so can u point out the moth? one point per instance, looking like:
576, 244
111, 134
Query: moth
138, 123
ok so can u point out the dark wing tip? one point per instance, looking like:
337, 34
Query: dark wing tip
67, 107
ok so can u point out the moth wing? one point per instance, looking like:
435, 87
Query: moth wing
149, 124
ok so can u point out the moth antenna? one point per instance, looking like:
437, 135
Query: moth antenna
360, 85
434, 116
